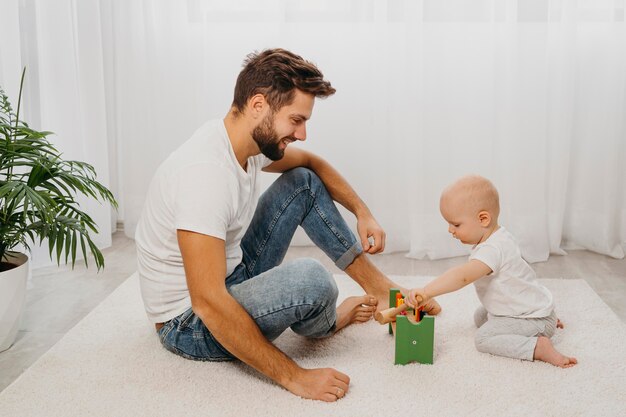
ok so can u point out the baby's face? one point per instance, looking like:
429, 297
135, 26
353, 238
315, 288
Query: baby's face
463, 223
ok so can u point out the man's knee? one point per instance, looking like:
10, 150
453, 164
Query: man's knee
317, 281
301, 175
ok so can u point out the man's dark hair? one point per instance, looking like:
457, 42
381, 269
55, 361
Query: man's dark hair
276, 73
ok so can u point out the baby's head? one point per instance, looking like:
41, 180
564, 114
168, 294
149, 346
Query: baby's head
471, 207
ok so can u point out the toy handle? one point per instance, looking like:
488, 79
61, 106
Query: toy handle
389, 315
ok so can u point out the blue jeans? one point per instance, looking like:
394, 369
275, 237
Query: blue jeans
300, 294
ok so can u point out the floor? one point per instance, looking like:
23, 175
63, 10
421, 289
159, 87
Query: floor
60, 297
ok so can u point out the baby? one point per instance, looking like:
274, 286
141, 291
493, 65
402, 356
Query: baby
517, 315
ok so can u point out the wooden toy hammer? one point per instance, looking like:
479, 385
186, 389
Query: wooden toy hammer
389, 315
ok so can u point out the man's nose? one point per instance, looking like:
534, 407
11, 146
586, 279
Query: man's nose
300, 133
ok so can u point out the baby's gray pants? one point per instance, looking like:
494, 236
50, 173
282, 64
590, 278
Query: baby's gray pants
511, 337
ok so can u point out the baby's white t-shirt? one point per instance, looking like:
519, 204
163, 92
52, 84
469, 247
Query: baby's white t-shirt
512, 288
202, 188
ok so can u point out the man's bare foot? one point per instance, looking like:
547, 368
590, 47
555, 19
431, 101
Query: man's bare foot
432, 307
545, 351
383, 299
374, 282
358, 309
559, 324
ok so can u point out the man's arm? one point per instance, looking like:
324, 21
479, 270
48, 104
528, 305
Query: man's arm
451, 280
204, 259
339, 190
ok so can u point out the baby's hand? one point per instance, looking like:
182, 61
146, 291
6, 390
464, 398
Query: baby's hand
416, 297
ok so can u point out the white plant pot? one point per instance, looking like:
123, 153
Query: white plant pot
12, 298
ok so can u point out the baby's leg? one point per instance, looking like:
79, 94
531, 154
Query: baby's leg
509, 337
480, 316
545, 351
526, 339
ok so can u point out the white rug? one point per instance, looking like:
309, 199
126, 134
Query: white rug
111, 364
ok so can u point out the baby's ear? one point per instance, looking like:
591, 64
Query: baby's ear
484, 217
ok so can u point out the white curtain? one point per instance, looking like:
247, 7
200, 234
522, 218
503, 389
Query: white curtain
530, 93
60, 44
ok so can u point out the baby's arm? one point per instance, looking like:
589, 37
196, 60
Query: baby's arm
451, 280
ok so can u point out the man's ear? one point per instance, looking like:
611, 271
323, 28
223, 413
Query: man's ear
484, 217
257, 106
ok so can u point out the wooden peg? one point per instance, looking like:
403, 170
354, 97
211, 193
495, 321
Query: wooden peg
389, 315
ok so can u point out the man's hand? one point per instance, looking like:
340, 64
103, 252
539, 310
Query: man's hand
324, 384
340, 191
367, 227
204, 258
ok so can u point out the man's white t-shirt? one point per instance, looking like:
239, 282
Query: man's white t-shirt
512, 288
202, 188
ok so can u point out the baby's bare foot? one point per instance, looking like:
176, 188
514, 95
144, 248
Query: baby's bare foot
358, 309
545, 351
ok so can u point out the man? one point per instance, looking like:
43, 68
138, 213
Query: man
210, 251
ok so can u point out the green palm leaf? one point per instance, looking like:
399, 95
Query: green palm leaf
38, 192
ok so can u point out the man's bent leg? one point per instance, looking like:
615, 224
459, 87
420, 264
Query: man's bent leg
274, 300
297, 198
300, 294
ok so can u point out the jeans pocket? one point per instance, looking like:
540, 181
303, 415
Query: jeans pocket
164, 331
187, 336
184, 319
208, 347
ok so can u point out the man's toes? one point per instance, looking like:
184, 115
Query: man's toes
363, 317
366, 311
369, 300
370, 309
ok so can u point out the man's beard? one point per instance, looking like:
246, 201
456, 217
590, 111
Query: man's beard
266, 139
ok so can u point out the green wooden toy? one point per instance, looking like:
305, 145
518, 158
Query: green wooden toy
415, 341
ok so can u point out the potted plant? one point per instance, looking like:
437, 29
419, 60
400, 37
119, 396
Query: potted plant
37, 202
